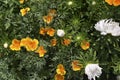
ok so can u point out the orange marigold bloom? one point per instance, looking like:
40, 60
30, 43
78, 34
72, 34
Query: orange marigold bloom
15, 45
21, 1
59, 77
24, 11
42, 31
53, 42
85, 45
66, 42
52, 12
113, 2
50, 31
76, 66
29, 44
48, 19
60, 69
41, 51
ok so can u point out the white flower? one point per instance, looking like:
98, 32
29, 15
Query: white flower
108, 27
93, 3
60, 32
92, 71
5, 45
70, 3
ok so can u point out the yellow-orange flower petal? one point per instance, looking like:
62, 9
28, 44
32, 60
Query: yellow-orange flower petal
76, 66
116, 2
53, 42
21, 1
60, 69
52, 12
29, 44
24, 41
66, 42
41, 51
15, 45
48, 19
113, 2
85, 45
59, 77
50, 31
110, 2
32, 45
42, 31
24, 11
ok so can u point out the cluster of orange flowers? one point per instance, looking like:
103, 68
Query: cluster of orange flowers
60, 72
49, 17
49, 31
76, 66
113, 2
29, 44
65, 42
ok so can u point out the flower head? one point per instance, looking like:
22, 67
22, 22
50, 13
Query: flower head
108, 27
92, 71
85, 45
42, 31
59, 77
53, 42
24, 11
15, 45
60, 32
50, 31
5, 45
113, 2
52, 12
76, 66
41, 51
29, 44
22, 1
48, 19
60, 69
66, 42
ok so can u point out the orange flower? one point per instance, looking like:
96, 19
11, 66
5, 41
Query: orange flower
53, 42
85, 45
24, 11
42, 31
29, 44
32, 45
66, 42
24, 41
50, 31
41, 51
21, 1
48, 19
60, 69
59, 77
52, 12
113, 2
76, 66
15, 45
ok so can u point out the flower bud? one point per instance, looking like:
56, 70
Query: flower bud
60, 32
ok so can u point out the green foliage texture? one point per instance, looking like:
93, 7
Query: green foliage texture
77, 20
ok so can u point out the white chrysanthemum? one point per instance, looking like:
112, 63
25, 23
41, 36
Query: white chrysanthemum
60, 32
5, 45
92, 71
108, 27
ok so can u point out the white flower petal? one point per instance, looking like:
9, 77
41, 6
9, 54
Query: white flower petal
60, 32
92, 71
108, 27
